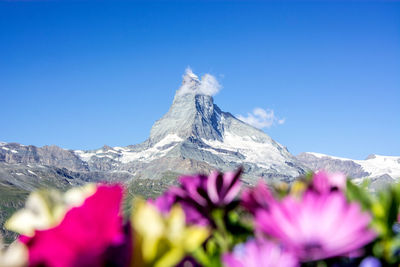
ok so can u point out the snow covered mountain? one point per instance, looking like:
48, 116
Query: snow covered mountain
380, 169
195, 135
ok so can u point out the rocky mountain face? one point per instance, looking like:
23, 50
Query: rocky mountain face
48, 155
196, 135
332, 164
381, 170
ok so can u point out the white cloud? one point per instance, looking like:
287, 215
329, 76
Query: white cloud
261, 118
207, 85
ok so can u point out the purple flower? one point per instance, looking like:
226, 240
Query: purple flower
165, 202
318, 226
370, 262
217, 189
200, 194
256, 198
259, 254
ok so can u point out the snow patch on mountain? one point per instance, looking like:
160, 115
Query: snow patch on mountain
261, 153
11, 150
158, 150
126, 155
31, 172
374, 165
84, 155
320, 155
380, 165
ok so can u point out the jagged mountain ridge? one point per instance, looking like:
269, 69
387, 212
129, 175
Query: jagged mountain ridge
15, 153
194, 135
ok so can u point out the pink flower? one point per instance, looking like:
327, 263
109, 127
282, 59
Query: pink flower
323, 182
318, 226
259, 254
259, 197
84, 236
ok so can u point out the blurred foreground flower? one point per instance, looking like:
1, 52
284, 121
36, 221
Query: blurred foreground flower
16, 255
320, 182
46, 208
259, 254
84, 235
199, 195
324, 182
370, 262
163, 240
259, 197
201, 221
318, 226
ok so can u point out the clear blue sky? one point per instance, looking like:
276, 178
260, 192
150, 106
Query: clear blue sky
84, 74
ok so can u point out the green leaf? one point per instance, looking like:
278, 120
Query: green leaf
358, 194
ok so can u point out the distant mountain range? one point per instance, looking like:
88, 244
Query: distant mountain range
381, 170
195, 135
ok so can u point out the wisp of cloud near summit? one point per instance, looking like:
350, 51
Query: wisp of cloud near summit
207, 85
261, 118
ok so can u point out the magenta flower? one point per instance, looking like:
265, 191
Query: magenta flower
259, 254
259, 197
199, 195
85, 236
324, 182
318, 226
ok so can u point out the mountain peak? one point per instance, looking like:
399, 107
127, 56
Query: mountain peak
196, 134
208, 85
192, 112
189, 76
189, 115
190, 83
